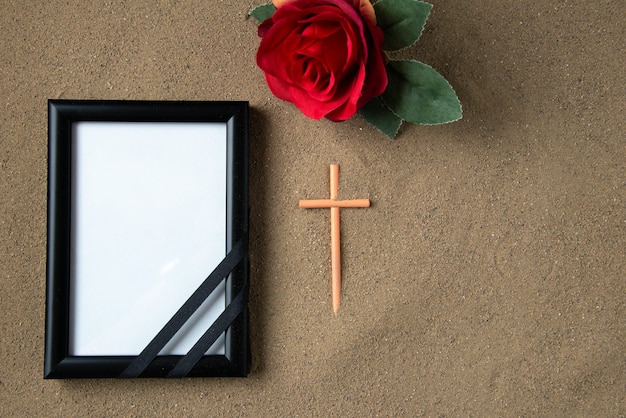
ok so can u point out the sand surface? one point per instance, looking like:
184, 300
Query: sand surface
487, 278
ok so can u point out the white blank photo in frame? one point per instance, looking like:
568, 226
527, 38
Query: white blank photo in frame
145, 222
147, 254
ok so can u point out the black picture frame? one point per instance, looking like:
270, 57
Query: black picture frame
63, 361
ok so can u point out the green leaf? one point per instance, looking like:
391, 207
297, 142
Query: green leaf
262, 12
419, 94
381, 117
402, 21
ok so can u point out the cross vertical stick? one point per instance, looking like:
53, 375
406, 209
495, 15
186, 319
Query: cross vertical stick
335, 234
335, 231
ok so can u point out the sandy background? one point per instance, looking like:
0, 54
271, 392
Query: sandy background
488, 277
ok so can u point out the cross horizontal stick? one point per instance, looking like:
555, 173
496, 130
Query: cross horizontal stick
334, 205
329, 203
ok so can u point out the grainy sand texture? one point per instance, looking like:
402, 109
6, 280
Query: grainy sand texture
486, 279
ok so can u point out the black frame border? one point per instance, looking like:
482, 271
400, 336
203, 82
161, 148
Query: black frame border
58, 363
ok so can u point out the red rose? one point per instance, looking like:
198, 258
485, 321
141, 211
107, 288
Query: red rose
324, 56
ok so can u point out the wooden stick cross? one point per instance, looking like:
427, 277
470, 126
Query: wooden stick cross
333, 204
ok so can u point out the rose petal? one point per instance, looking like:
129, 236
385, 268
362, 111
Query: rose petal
322, 29
366, 9
350, 106
375, 86
280, 3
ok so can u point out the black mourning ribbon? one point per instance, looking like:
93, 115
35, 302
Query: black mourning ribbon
189, 360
